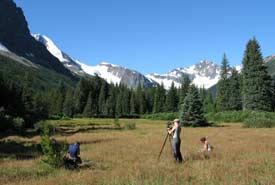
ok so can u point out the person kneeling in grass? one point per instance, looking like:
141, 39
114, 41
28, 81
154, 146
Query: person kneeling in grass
72, 158
74, 152
207, 147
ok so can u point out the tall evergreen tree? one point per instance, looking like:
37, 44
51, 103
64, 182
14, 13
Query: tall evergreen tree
111, 101
273, 92
81, 95
68, 106
208, 103
184, 89
125, 100
87, 112
172, 99
159, 99
256, 82
223, 86
234, 95
192, 110
102, 99
133, 103
140, 100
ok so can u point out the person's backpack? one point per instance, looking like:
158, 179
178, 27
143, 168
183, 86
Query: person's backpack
210, 147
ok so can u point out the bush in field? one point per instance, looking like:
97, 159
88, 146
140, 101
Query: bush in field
228, 116
249, 118
162, 116
260, 120
18, 124
116, 123
53, 151
130, 126
40, 126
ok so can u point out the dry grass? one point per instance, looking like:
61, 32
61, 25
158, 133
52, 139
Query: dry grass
240, 156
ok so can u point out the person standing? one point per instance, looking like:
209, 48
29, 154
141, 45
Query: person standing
175, 132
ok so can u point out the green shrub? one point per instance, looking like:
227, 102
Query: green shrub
18, 124
116, 123
161, 116
41, 126
260, 120
249, 118
130, 126
53, 151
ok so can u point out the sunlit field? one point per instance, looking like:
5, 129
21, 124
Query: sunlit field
120, 156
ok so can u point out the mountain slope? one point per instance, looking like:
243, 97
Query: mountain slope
16, 37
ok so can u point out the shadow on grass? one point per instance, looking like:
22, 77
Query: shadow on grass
70, 131
19, 151
97, 141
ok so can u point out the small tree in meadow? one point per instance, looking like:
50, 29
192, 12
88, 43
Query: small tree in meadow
192, 109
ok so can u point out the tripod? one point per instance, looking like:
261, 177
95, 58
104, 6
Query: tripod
167, 136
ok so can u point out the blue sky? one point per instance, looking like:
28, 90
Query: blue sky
153, 35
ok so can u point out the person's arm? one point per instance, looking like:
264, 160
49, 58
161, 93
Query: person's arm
205, 146
78, 151
170, 131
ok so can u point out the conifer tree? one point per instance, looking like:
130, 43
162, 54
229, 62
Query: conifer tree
87, 112
81, 95
172, 99
159, 99
234, 99
133, 103
184, 89
273, 92
192, 111
223, 86
125, 100
208, 103
68, 106
102, 99
256, 83
140, 100
111, 101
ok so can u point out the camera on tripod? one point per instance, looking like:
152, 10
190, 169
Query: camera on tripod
169, 124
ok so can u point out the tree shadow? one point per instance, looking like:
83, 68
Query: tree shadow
19, 151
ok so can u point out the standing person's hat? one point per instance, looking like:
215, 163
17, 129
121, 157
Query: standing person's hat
176, 120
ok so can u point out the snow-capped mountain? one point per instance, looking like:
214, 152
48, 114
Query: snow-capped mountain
117, 74
65, 59
111, 73
204, 74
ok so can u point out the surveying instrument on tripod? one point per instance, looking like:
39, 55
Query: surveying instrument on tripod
168, 136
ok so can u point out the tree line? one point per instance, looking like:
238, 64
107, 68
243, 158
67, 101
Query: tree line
251, 89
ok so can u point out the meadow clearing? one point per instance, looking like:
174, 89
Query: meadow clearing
240, 156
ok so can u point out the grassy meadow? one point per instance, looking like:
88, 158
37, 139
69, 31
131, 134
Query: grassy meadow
121, 156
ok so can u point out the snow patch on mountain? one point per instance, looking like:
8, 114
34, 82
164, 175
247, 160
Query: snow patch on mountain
52, 48
64, 58
102, 70
204, 74
3, 48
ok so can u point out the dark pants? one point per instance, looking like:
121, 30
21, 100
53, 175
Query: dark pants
176, 150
